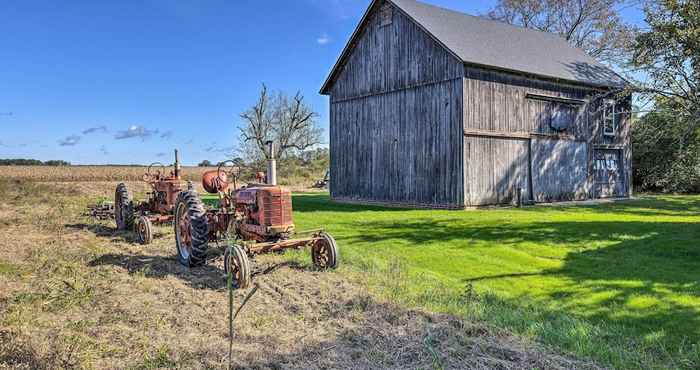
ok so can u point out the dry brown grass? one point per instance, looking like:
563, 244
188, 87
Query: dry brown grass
90, 173
77, 294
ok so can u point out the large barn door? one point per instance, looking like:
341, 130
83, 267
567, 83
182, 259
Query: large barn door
495, 168
607, 167
559, 170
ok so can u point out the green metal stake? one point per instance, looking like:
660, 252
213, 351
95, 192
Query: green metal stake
231, 315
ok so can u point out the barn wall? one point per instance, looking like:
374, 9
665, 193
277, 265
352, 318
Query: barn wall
396, 118
393, 57
400, 147
503, 107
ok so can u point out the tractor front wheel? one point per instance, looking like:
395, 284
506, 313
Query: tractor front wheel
144, 230
123, 208
324, 252
191, 229
236, 263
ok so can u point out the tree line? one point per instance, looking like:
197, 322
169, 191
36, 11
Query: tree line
31, 162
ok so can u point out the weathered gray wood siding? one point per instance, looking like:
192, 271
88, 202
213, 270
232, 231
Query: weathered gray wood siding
396, 119
560, 170
393, 57
503, 107
621, 142
399, 147
496, 168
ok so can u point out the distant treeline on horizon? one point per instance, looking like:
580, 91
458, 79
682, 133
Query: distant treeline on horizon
36, 162
31, 162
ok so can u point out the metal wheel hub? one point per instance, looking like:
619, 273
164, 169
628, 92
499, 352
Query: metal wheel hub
184, 232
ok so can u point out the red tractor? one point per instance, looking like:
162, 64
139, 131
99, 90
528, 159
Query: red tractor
157, 209
254, 219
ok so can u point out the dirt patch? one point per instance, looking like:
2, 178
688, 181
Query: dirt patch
81, 294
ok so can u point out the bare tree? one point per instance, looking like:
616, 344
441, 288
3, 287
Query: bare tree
289, 122
592, 25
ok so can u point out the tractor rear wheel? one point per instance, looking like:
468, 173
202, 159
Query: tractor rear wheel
236, 262
144, 230
324, 252
123, 208
191, 229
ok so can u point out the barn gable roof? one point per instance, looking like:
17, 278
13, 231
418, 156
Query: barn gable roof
497, 45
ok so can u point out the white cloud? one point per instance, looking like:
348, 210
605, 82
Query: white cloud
135, 131
323, 39
71, 140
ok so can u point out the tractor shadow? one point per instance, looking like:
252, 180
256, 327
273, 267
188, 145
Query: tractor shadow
112, 233
210, 276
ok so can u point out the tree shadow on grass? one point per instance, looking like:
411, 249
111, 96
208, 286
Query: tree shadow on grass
323, 203
644, 275
115, 235
648, 206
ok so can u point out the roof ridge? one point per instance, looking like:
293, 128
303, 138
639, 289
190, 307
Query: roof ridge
483, 19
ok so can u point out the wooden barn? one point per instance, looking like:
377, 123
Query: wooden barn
435, 108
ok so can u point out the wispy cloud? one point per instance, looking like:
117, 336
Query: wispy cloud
323, 39
215, 149
103, 150
167, 135
160, 155
71, 140
94, 130
135, 131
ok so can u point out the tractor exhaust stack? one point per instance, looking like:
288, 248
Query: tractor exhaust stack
177, 164
271, 164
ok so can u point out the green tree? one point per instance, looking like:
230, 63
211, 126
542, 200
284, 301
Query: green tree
667, 55
661, 162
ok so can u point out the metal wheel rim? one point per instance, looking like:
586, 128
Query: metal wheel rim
141, 229
184, 243
234, 265
321, 253
118, 212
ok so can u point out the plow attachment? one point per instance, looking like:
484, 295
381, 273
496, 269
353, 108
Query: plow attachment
101, 211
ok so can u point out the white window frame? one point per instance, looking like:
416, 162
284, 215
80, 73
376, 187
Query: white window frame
609, 130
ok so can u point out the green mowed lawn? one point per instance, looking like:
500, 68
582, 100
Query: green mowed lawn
617, 282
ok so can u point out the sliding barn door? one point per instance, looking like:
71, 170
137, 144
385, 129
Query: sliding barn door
494, 169
559, 170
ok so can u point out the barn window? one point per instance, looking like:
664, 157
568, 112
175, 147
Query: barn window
607, 161
386, 15
609, 118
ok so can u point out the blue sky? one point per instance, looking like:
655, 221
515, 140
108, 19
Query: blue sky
128, 81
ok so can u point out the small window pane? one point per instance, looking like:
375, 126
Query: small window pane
609, 121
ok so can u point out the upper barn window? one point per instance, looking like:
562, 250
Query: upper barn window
609, 118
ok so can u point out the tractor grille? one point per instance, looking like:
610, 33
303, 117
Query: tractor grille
276, 207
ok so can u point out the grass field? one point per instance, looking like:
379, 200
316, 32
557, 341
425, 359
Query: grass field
616, 282
77, 293
534, 288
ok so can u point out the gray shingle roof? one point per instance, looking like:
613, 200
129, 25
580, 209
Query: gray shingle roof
499, 45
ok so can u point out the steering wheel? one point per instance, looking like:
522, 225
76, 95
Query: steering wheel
230, 169
151, 174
